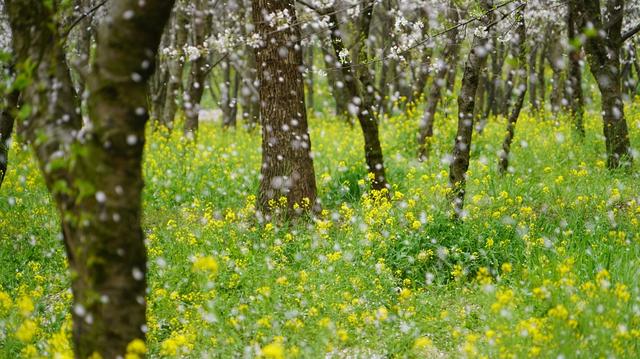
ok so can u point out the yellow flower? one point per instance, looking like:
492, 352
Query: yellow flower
26, 331
25, 305
5, 300
29, 351
405, 293
343, 335
422, 343
332, 257
136, 346
274, 350
173, 344
559, 311
206, 264
506, 267
622, 292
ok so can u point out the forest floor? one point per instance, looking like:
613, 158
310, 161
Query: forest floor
547, 262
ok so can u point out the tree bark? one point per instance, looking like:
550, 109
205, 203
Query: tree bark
7, 120
176, 65
476, 61
200, 27
542, 83
603, 50
336, 83
576, 96
229, 95
287, 165
359, 88
158, 90
425, 59
250, 99
449, 53
533, 77
310, 77
556, 61
495, 84
503, 163
96, 180
82, 36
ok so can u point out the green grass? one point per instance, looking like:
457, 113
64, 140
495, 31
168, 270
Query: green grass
546, 263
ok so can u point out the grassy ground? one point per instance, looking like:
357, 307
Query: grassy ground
546, 264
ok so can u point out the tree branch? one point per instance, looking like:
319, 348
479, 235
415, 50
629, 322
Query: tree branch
629, 34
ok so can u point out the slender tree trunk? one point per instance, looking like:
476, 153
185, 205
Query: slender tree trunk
229, 96
542, 84
98, 193
360, 91
520, 47
481, 98
628, 81
336, 83
225, 93
533, 78
7, 120
575, 76
287, 165
604, 62
495, 85
505, 103
176, 65
425, 135
234, 97
193, 96
425, 61
554, 56
82, 35
636, 66
158, 90
250, 99
310, 78
476, 61
200, 28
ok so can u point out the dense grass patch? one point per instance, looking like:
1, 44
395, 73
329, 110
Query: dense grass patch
546, 262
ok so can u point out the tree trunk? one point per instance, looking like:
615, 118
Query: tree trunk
495, 84
628, 81
229, 95
533, 78
520, 47
360, 91
200, 28
336, 84
449, 54
158, 90
425, 60
476, 61
287, 165
82, 35
250, 99
575, 76
505, 103
481, 98
542, 84
7, 119
176, 65
604, 61
96, 181
556, 61
310, 78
